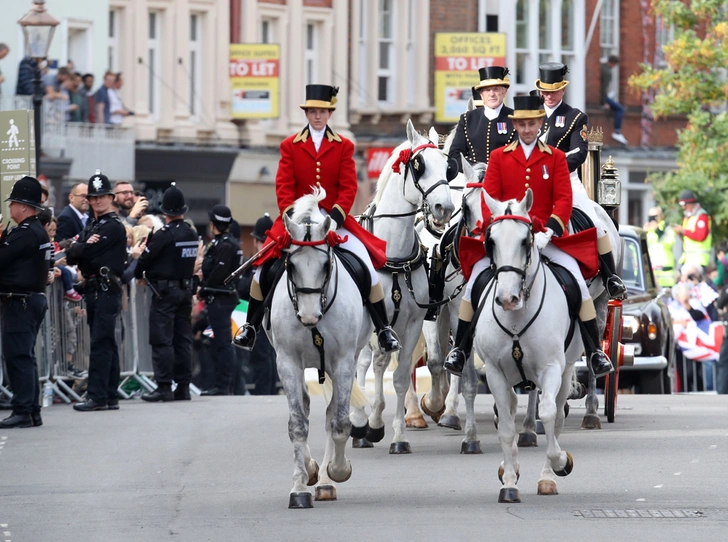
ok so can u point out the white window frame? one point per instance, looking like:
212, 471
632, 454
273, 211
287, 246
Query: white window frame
311, 54
609, 37
663, 36
389, 42
267, 29
410, 48
195, 66
363, 46
521, 71
113, 42
154, 64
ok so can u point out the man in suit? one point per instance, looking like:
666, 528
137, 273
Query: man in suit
73, 218
565, 128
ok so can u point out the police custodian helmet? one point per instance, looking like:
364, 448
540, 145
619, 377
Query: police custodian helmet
173, 202
220, 215
99, 185
263, 224
27, 191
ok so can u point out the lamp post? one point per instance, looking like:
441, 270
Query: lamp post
38, 26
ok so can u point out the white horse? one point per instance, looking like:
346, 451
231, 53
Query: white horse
316, 318
521, 329
414, 178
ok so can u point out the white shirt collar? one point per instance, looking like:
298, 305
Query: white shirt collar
316, 136
492, 114
79, 213
550, 111
528, 149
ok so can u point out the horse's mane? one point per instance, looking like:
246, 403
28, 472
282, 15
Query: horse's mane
387, 171
308, 206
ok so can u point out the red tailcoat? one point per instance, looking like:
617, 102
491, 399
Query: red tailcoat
546, 173
301, 168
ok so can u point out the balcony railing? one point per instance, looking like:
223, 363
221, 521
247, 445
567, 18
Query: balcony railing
90, 146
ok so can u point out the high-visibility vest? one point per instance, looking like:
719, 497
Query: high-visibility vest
697, 252
661, 256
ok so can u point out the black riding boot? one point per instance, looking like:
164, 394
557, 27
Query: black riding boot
455, 361
600, 363
388, 340
612, 282
245, 339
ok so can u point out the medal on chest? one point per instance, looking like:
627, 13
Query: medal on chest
502, 127
545, 173
560, 121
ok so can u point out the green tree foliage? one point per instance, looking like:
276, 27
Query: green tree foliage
694, 83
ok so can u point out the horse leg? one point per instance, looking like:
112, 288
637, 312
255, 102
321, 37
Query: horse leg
339, 426
450, 417
591, 417
325, 489
413, 417
507, 402
305, 472
433, 402
527, 437
376, 422
559, 462
358, 415
402, 381
470, 444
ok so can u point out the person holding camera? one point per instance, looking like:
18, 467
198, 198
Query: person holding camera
167, 266
130, 204
100, 254
222, 257
660, 243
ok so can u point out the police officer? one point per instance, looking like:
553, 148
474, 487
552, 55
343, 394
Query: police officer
697, 237
223, 256
565, 128
167, 265
100, 254
25, 257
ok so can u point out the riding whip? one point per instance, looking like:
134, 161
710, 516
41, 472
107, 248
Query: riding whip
255, 257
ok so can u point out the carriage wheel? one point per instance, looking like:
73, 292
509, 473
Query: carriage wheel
610, 396
612, 337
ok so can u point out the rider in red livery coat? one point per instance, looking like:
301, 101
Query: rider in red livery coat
319, 156
527, 163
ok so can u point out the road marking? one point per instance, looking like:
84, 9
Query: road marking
641, 500
713, 446
658, 486
677, 474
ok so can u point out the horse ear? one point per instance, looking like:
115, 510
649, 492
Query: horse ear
468, 170
471, 104
434, 136
495, 206
326, 224
527, 201
411, 132
291, 226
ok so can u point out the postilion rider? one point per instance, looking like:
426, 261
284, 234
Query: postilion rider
318, 155
529, 163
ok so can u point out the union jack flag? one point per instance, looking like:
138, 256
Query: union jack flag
700, 341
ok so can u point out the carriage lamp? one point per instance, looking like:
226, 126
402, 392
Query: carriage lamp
610, 187
38, 26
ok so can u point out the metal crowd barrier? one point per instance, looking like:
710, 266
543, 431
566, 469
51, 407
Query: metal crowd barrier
63, 344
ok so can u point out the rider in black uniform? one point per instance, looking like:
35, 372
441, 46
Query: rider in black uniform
167, 265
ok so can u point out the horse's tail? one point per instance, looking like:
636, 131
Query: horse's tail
358, 399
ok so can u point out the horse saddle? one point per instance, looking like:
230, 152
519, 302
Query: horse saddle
270, 273
481, 282
357, 269
571, 290
580, 221
444, 253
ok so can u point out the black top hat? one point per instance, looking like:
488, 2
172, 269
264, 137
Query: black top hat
527, 107
99, 185
688, 196
173, 202
493, 76
321, 97
220, 214
552, 76
27, 191
263, 224
477, 100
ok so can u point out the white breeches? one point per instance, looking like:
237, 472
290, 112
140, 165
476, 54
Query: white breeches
582, 202
549, 251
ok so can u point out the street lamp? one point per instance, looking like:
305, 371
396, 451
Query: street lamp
38, 26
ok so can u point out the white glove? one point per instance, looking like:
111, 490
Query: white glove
541, 239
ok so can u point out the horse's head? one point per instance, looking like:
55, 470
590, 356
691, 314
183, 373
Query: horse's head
509, 243
309, 261
471, 208
427, 174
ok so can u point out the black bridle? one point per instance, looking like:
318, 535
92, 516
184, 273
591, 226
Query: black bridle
522, 272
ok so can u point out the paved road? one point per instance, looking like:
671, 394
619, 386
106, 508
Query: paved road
220, 469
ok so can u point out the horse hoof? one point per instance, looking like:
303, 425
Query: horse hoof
453, 422
434, 415
470, 447
501, 472
313, 478
568, 468
342, 479
495, 422
359, 432
591, 421
509, 495
375, 434
400, 448
539, 428
361, 443
547, 487
527, 439
417, 421
300, 500
326, 493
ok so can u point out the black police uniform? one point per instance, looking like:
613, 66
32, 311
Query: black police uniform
25, 258
168, 264
102, 265
223, 256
